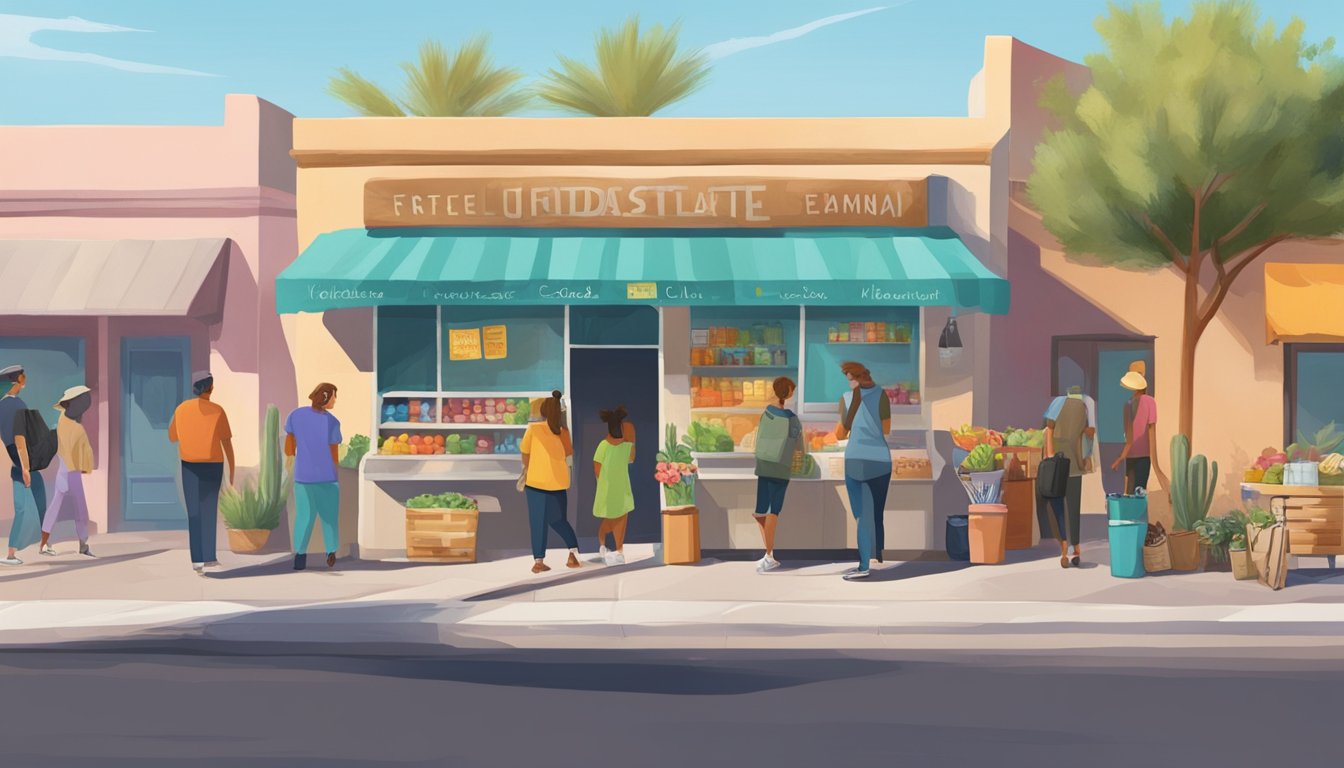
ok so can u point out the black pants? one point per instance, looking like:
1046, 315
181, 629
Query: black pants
200, 490
1137, 470
1060, 519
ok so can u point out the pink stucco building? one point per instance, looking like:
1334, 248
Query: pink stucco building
133, 255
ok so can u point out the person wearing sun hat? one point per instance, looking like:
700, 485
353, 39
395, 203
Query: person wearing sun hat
74, 459
1140, 454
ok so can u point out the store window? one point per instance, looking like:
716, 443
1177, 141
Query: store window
53, 363
736, 354
885, 339
408, 359
1313, 389
635, 326
520, 350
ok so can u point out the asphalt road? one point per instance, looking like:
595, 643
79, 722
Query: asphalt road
524, 708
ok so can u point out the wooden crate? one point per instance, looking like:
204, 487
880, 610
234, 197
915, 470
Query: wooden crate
442, 535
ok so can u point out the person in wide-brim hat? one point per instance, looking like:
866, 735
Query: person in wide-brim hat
74, 459
1140, 454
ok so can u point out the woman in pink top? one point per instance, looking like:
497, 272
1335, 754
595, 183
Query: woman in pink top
1140, 454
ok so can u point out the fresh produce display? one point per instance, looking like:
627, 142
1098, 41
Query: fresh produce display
354, 450
968, 437
1331, 470
981, 459
448, 500
411, 445
710, 436
1273, 475
409, 410
478, 443
486, 410
904, 393
1317, 446
821, 440
1269, 457
1028, 438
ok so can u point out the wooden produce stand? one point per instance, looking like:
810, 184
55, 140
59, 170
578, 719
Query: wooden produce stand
1315, 516
441, 535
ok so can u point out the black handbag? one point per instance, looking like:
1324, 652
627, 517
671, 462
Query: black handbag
40, 438
1052, 477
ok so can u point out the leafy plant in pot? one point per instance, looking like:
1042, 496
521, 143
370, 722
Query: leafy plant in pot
1217, 534
252, 510
676, 473
1192, 488
1239, 554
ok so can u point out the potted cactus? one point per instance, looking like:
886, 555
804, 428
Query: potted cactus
1192, 488
252, 510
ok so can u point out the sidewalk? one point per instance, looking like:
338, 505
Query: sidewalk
142, 590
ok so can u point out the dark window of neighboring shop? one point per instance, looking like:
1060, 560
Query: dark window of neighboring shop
633, 326
885, 339
534, 359
1312, 388
408, 349
53, 364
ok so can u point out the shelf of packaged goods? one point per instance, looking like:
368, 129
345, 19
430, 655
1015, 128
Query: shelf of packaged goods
727, 409
868, 343
745, 370
740, 346
437, 426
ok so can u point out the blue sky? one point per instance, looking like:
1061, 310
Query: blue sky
912, 57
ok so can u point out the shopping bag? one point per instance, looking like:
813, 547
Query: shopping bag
1269, 554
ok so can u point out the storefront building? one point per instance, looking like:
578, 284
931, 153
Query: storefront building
453, 269
130, 256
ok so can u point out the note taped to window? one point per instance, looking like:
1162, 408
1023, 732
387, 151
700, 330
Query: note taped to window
496, 342
464, 343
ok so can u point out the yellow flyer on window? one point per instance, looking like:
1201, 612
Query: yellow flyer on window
496, 342
464, 344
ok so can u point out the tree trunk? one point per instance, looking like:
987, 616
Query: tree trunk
1190, 334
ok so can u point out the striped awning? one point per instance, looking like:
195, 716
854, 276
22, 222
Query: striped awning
111, 277
909, 267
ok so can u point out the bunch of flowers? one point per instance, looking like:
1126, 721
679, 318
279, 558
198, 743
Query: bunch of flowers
671, 473
676, 471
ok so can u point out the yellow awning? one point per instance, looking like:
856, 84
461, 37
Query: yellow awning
1304, 302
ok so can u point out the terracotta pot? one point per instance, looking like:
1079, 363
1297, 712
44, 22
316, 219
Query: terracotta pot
988, 532
1184, 549
249, 540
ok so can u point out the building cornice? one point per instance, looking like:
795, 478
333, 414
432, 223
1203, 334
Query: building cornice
364, 158
224, 202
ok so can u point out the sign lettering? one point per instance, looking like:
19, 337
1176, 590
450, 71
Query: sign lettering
464, 343
674, 202
496, 341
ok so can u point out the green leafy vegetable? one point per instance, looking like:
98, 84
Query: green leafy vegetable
448, 500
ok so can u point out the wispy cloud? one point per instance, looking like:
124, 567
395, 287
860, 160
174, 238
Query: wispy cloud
16, 42
740, 44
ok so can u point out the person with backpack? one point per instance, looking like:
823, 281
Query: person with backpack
30, 492
1070, 428
74, 460
615, 499
778, 439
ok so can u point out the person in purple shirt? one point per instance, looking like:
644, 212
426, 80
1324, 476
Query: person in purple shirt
313, 441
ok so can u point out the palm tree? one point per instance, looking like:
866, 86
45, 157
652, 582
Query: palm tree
469, 85
636, 74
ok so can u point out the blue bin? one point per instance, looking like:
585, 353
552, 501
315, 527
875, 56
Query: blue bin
958, 543
1129, 508
1126, 538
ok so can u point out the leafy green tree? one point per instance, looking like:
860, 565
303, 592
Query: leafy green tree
637, 73
467, 85
1200, 144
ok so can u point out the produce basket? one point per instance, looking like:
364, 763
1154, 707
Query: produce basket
441, 528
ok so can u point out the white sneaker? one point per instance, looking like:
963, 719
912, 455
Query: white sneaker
48, 550
618, 558
11, 561
767, 564
199, 568
602, 555
856, 575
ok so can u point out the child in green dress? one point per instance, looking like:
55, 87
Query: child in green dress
614, 499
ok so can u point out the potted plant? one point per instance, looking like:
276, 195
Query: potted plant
1216, 535
676, 472
251, 511
1192, 487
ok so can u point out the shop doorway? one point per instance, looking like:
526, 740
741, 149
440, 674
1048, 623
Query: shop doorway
1096, 363
154, 380
605, 377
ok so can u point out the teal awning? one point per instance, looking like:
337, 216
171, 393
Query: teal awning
906, 267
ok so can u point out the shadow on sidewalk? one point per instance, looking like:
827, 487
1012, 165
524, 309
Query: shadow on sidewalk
36, 569
588, 572
284, 563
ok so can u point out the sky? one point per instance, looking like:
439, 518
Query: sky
172, 61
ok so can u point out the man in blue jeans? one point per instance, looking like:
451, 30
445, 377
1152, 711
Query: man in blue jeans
866, 421
30, 493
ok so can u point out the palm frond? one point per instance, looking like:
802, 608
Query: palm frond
636, 74
467, 85
362, 95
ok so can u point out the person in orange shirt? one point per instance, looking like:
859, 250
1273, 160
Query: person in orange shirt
546, 450
204, 442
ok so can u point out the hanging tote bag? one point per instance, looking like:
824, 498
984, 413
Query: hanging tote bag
772, 439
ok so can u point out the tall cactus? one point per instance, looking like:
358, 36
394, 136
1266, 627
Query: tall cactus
1192, 487
271, 482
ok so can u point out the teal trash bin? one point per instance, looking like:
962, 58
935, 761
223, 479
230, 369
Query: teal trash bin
1126, 538
1132, 508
